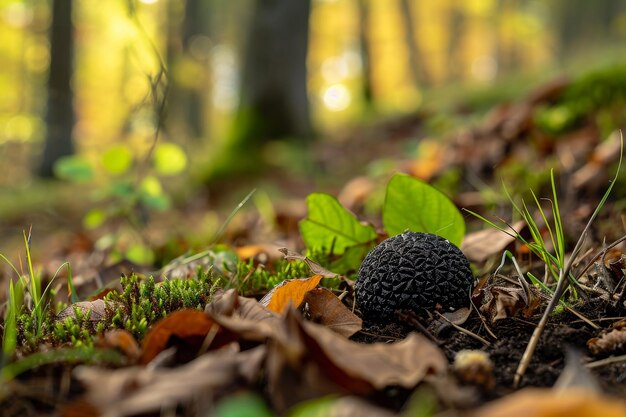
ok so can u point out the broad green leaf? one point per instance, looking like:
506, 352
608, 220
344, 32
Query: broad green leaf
74, 168
151, 186
152, 194
169, 159
94, 218
329, 224
411, 204
140, 254
117, 159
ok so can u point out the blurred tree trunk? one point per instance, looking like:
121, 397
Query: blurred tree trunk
419, 72
508, 54
273, 99
582, 23
60, 111
188, 49
364, 46
456, 24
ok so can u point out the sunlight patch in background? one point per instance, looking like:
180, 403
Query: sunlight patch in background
336, 97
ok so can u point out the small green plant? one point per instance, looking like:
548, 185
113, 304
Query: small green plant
556, 264
28, 311
550, 250
250, 278
410, 204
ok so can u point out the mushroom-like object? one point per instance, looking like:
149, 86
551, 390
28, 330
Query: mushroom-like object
412, 271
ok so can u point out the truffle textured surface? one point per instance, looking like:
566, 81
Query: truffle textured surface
412, 271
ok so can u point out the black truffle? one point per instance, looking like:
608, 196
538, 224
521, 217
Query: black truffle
412, 271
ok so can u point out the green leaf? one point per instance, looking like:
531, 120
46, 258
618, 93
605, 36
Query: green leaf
74, 168
329, 224
169, 159
94, 218
242, 405
140, 254
411, 204
117, 159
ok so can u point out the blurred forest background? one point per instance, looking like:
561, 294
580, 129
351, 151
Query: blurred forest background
158, 91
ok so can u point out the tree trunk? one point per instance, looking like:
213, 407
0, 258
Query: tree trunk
364, 46
273, 100
60, 111
419, 72
187, 101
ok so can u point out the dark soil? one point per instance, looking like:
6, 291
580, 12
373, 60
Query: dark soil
564, 332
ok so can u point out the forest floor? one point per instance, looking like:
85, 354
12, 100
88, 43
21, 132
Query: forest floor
244, 355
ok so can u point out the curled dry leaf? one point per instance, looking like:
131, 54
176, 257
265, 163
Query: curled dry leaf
141, 390
503, 302
326, 309
289, 292
574, 402
244, 316
187, 330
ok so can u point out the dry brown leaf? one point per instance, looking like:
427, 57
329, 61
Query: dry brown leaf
611, 342
506, 302
459, 316
97, 310
591, 175
289, 292
355, 192
326, 309
187, 330
307, 360
404, 363
140, 390
483, 244
244, 316
551, 403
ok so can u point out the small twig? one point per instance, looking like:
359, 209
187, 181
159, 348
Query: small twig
482, 319
607, 361
410, 318
464, 331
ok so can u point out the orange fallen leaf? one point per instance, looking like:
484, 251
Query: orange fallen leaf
262, 252
187, 330
326, 309
572, 402
290, 291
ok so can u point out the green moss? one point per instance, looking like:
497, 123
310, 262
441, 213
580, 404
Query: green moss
600, 96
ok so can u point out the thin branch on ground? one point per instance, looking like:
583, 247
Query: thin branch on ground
464, 331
